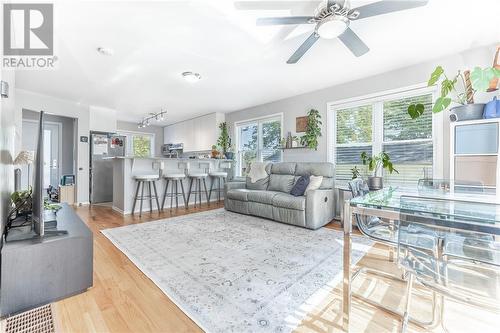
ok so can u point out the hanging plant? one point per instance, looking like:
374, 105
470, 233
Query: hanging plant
313, 130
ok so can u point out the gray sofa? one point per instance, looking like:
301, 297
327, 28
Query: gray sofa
270, 197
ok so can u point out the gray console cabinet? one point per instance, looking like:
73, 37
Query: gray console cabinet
38, 271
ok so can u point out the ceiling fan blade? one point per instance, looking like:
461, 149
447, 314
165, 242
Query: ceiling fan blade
303, 48
354, 43
272, 5
284, 20
387, 6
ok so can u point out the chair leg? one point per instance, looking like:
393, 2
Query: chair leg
219, 182
211, 187
150, 198
142, 198
177, 194
156, 197
183, 194
199, 191
189, 191
206, 192
135, 197
406, 315
164, 195
172, 195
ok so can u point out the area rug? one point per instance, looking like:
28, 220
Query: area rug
235, 273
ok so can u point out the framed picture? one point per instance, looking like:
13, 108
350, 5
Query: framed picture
300, 124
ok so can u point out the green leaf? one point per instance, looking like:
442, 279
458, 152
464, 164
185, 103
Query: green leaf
496, 72
441, 104
481, 78
447, 86
435, 76
416, 110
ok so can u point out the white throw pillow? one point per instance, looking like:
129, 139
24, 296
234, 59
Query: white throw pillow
314, 183
257, 171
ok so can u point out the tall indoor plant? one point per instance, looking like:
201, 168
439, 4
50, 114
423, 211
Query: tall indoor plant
224, 141
313, 130
459, 89
374, 164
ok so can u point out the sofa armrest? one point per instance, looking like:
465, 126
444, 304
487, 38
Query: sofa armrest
319, 208
234, 185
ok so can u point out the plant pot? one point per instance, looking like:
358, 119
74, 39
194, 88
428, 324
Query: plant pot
375, 183
229, 155
467, 112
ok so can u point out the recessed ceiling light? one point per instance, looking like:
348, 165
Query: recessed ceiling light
105, 51
191, 76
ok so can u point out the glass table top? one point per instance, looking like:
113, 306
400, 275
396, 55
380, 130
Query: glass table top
458, 209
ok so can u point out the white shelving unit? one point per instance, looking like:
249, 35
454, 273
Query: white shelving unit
474, 152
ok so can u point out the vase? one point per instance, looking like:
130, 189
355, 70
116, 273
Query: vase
375, 183
229, 155
467, 112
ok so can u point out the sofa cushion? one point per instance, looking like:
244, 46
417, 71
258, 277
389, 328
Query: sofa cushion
238, 194
260, 209
284, 200
281, 183
283, 168
265, 197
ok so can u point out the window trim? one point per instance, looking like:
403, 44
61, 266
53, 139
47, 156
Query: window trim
259, 121
128, 134
377, 100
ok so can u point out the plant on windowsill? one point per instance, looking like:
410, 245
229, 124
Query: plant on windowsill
313, 130
374, 164
460, 90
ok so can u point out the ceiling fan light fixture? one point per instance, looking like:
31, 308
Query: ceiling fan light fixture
332, 27
191, 76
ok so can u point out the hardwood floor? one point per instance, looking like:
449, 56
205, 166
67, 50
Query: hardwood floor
123, 299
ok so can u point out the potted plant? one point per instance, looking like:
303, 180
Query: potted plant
459, 89
313, 130
230, 153
214, 153
374, 164
224, 141
295, 141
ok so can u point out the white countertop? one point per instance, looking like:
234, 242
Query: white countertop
167, 158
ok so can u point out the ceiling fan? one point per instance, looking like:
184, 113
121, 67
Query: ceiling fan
332, 20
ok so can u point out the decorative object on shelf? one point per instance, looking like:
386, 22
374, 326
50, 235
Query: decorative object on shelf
283, 143
300, 124
471, 82
288, 140
25, 157
492, 109
224, 140
313, 130
214, 153
374, 164
496, 64
158, 116
295, 141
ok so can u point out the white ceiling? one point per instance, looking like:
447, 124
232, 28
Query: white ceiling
242, 65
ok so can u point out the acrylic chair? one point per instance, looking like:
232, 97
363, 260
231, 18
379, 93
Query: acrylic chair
386, 232
450, 274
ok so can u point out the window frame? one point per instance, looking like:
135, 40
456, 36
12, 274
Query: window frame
129, 140
259, 121
377, 101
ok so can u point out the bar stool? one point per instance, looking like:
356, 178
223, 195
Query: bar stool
142, 180
197, 178
175, 178
220, 178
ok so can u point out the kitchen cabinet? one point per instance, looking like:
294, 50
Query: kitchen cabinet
197, 134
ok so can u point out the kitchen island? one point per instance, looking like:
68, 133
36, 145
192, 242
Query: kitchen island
124, 184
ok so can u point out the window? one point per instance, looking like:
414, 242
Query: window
139, 144
258, 140
382, 124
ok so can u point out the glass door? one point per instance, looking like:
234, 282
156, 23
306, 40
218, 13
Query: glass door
258, 141
51, 169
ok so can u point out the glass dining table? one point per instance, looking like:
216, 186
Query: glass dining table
456, 211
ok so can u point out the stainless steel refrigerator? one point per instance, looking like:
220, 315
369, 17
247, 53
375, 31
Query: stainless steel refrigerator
104, 146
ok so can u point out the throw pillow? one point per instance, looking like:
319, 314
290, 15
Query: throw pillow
257, 171
314, 183
300, 186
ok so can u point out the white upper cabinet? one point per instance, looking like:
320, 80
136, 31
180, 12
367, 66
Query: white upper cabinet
196, 134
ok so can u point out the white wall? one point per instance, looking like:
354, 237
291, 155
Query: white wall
132, 127
102, 119
38, 102
299, 105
